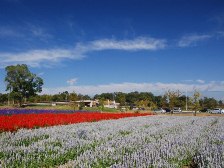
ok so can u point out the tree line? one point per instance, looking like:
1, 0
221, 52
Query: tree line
24, 86
146, 100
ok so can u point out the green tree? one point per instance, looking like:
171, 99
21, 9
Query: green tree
56, 97
172, 98
109, 96
73, 96
209, 103
120, 98
195, 101
132, 98
21, 82
3, 98
143, 103
159, 101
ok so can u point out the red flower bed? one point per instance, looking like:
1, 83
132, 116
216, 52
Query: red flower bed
14, 122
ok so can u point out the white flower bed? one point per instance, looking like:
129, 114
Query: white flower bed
151, 141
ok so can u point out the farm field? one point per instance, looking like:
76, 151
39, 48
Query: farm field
147, 141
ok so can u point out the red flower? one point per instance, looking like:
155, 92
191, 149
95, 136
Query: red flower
17, 121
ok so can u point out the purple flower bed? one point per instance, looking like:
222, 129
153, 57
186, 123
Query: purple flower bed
34, 111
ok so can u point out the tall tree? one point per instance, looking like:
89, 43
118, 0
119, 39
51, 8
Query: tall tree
172, 98
208, 103
21, 82
120, 98
73, 96
195, 101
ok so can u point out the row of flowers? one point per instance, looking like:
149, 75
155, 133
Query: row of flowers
15, 122
8, 111
130, 142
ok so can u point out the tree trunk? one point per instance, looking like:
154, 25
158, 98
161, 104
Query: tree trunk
195, 113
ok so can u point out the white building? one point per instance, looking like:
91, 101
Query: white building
111, 104
88, 103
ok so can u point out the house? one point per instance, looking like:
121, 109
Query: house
111, 104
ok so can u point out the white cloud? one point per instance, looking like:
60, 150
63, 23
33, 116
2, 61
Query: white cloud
156, 88
190, 40
36, 58
72, 81
48, 57
200, 81
193, 81
141, 43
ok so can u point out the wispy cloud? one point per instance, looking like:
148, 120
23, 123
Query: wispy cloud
72, 81
194, 81
219, 34
36, 58
39, 32
141, 43
25, 32
6, 31
190, 40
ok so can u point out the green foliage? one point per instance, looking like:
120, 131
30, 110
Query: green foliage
46, 159
209, 103
133, 99
195, 101
120, 98
21, 82
186, 161
101, 108
103, 163
1, 155
3, 98
124, 133
173, 98
28, 141
146, 126
214, 122
104, 96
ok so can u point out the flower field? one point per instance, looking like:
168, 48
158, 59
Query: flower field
17, 121
146, 142
34, 111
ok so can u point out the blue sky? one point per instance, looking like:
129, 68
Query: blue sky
95, 46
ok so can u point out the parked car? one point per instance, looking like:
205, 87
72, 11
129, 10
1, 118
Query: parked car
217, 111
222, 111
167, 110
177, 109
160, 110
205, 110
135, 108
